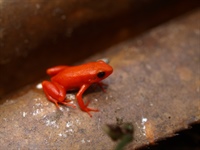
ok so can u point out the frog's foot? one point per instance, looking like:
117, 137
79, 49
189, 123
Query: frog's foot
67, 103
87, 110
101, 84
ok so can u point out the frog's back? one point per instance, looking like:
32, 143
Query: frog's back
75, 76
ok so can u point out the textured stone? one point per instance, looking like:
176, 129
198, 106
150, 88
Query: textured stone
155, 86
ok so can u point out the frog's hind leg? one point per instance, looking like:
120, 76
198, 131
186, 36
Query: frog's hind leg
55, 70
55, 93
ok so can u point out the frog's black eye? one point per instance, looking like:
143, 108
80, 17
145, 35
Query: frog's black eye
101, 74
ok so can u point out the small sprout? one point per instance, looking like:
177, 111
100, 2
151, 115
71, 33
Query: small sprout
119, 121
123, 133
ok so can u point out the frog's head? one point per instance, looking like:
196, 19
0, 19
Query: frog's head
102, 70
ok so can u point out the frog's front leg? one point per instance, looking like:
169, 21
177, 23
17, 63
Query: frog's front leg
81, 103
55, 93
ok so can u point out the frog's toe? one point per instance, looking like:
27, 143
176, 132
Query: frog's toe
86, 109
68, 104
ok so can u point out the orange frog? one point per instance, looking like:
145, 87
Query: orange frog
65, 78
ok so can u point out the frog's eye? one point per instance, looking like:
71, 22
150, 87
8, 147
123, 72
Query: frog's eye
101, 74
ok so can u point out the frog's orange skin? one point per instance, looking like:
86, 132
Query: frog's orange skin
64, 78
